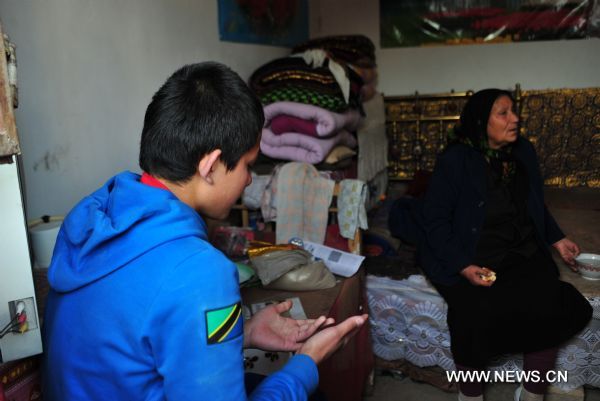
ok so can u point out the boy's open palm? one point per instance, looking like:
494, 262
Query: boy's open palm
325, 342
270, 331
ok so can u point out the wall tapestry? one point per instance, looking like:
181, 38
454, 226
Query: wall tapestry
277, 22
439, 22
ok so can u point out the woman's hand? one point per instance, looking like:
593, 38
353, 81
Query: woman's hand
325, 342
475, 275
269, 331
568, 251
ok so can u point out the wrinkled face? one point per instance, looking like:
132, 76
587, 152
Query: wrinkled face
502, 127
231, 184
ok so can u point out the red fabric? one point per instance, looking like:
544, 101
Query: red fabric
153, 182
334, 239
284, 123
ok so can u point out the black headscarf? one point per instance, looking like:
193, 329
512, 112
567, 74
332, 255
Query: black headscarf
472, 131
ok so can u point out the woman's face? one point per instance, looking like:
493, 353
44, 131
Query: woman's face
502, 127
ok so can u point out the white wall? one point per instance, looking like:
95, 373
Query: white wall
402, 71
87, 70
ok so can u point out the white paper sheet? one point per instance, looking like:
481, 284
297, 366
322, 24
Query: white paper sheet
342, 263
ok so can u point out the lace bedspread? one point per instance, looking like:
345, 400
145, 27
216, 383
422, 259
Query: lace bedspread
408, 321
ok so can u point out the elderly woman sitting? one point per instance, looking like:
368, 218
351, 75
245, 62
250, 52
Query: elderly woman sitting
484, 236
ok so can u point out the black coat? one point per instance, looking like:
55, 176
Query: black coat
447, 222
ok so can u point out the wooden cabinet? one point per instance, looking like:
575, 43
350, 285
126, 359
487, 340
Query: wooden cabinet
345, 375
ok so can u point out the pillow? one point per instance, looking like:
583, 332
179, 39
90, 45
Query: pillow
291, 270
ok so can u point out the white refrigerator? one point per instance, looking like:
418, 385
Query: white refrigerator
19, 324
20, 335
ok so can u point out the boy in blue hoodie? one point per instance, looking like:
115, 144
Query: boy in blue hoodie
141, 306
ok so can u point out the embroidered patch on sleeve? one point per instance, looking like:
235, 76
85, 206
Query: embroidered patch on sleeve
224, 324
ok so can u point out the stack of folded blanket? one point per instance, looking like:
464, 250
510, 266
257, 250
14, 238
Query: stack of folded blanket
306, 133
313, 99
356, 51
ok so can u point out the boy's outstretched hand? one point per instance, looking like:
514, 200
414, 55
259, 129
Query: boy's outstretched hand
269, 331
325, 342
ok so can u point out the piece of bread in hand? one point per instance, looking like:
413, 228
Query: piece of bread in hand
490, 276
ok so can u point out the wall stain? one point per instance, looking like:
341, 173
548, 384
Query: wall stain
51, 160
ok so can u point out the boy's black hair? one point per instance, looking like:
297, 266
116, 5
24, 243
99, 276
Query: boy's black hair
200, 108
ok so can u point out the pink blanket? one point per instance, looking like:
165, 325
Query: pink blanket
300, 147
327, 122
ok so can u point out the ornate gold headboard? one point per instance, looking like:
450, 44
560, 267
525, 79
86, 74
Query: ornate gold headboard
563, 124
416, 127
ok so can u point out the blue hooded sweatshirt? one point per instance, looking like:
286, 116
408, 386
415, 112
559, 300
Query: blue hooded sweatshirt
142, 307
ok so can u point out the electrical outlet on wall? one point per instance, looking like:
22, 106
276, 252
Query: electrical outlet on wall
27, 306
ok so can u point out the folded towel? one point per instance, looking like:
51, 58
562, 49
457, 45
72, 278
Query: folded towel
351, 207
253, 193
327, 122
303, 201
284, 123
302, 148
268, 202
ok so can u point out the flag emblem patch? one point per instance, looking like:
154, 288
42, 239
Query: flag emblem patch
224, 324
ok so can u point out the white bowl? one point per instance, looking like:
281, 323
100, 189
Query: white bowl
589, 265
